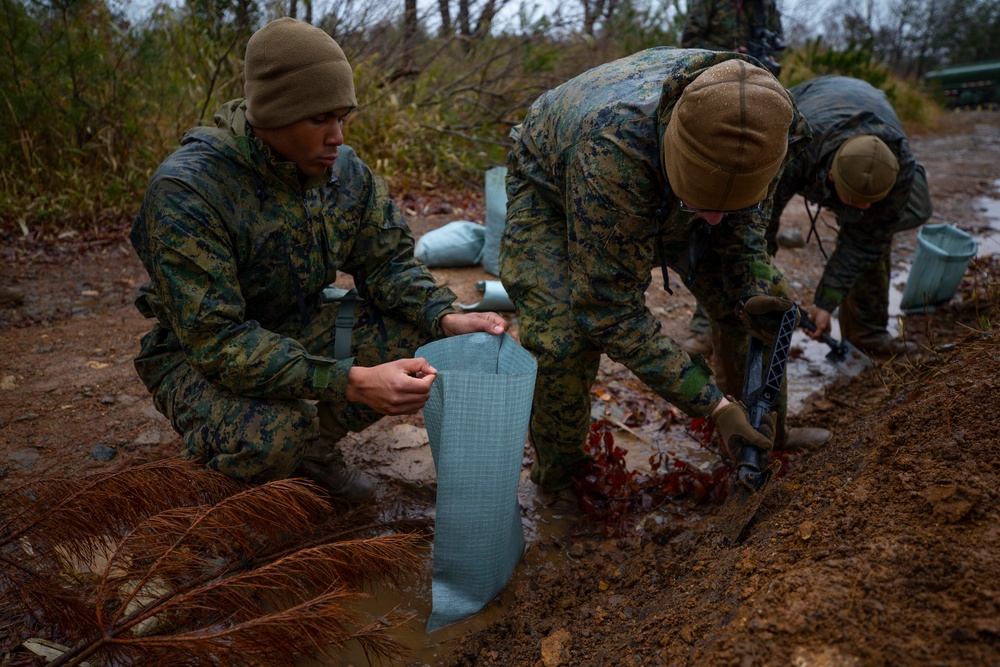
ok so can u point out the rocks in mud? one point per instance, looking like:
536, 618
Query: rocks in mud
790, 238
104, 453
555, 648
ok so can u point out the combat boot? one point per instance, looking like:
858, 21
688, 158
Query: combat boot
324, 464
805, 439
699, 342
561, 501
886, 346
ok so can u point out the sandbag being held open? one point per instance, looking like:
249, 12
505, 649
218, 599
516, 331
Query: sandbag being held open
477, 422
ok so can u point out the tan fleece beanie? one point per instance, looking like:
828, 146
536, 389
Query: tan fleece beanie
727, 136
865, 169
293, 71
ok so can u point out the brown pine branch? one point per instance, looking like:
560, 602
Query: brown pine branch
186, 543
55, 529
234, 612
316, 629
206, 572
80, 514
300, 575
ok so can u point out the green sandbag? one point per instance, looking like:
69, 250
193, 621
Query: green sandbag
459, 243
477, 422
496, 215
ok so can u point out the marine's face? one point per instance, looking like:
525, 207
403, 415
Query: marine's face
715, 217
310, 143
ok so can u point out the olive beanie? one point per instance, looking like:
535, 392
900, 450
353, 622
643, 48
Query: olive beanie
865, 169
727, 136
293, 71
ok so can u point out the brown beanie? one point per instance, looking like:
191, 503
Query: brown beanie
865, 169
727, 136
293, 71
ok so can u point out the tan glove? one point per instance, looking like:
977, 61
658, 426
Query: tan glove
762, 315
733, 424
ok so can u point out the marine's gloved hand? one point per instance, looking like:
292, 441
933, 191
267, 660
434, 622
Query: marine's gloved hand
762, 315
733, 424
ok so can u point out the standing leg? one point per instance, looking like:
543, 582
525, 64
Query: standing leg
560, 414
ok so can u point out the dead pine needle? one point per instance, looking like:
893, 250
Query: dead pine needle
171, 564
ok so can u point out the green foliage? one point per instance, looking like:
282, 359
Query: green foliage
440, 125
93, 103
858, 60
815, 59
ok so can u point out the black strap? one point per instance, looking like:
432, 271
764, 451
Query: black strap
813, 217
663, 263
344, 324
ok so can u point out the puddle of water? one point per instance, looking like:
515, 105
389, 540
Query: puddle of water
414, 597
989, 240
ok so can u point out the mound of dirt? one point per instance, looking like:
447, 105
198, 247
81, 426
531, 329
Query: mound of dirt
881, 549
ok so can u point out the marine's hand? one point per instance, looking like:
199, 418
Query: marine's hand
821, 318
762, 315
733, 423
395, 388
455, 324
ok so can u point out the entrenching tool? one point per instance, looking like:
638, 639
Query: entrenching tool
840, 351
760, 390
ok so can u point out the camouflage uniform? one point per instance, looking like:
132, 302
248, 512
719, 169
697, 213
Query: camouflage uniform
589, 215
856, 277
716, 24
238, 248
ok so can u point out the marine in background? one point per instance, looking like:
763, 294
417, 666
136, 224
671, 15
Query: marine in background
860, 168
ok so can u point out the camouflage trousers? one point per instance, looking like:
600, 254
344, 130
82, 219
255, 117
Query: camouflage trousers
568, 357
257, 439
864, 312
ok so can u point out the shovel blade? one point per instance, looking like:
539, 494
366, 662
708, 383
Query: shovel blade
741, 505
836, 355
737, 514
845, 354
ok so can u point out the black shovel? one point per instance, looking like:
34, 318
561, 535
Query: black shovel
760, 390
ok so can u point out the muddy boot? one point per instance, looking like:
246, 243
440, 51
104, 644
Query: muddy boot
802, 439
563, 500
324, 464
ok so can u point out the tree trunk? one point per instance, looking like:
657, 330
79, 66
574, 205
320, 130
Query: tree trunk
409, 22
464, 28
444, 8
486, 18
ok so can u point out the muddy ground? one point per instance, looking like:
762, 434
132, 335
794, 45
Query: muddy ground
880, 549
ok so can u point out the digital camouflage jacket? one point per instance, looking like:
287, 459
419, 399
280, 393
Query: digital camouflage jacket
593, 148
716, 24
238, 249
837, 109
